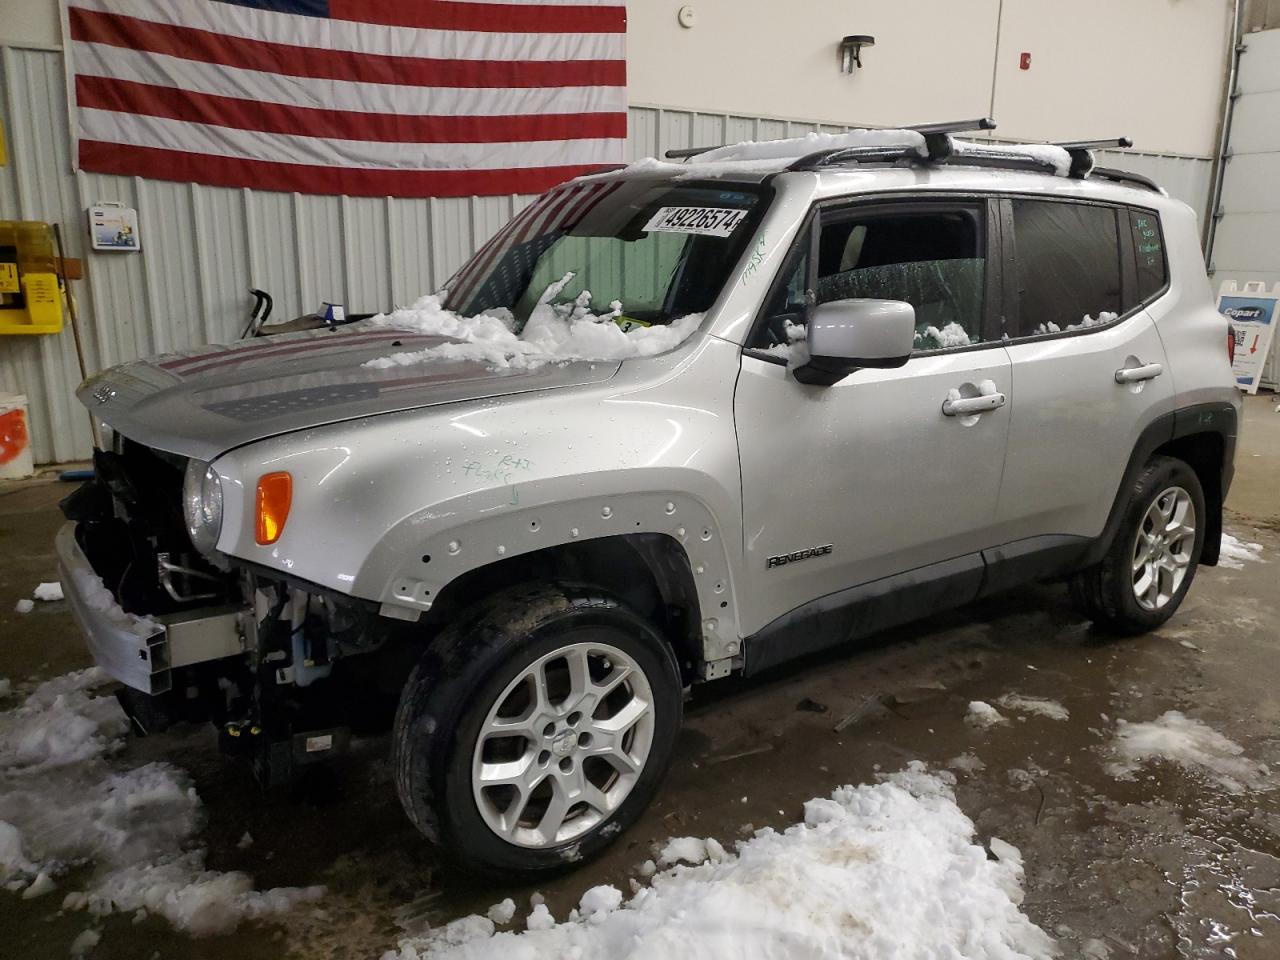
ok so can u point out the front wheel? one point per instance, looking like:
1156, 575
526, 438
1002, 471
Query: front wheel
1150, 564
536, 728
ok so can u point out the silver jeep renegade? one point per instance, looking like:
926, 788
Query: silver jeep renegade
925, 370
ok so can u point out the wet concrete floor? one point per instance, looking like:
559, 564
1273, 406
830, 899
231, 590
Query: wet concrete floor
1169, 864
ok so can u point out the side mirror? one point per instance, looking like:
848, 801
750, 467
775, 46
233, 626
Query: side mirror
844, 335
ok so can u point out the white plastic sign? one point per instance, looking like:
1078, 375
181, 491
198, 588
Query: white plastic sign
113, 226
705, 221
1252, 312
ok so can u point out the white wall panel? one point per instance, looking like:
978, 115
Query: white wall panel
204, 247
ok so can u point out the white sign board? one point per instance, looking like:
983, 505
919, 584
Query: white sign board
1252, 312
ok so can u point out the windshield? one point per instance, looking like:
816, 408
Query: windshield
653, 251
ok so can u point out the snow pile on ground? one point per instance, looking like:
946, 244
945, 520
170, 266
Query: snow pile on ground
1189, 743
983, 715
554, 332
63, 806
1236, 552
885, 870
1037, 705
48, 591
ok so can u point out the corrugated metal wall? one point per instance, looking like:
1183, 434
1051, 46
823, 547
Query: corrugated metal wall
203, 247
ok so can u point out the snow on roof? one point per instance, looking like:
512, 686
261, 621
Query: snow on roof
796, 147
769, 156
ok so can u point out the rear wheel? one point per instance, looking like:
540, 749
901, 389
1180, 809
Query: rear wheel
537, 727
1152, 560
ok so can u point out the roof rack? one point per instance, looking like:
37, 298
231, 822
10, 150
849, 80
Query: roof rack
928, 129
939, 147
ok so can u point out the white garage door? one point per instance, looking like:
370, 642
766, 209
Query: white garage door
1247, 246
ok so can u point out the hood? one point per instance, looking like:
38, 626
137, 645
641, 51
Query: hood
205, 401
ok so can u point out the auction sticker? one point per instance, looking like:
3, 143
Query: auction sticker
706, 221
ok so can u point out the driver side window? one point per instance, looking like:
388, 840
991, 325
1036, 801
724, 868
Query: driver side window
928, 256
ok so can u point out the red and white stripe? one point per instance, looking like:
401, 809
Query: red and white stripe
558, 210
383, 97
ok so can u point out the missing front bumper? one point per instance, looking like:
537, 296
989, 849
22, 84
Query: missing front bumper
141, 652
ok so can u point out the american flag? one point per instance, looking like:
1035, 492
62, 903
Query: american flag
361, 97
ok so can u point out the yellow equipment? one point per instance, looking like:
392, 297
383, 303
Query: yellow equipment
30, 295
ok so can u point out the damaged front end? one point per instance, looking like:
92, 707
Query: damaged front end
195, 637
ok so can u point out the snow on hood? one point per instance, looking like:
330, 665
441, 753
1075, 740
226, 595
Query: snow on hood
64, 805
884, 870
554, 332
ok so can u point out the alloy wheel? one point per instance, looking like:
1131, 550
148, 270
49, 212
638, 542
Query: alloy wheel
1163, 547
563, 745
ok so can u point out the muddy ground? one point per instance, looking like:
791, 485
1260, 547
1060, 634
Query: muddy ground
1167, 865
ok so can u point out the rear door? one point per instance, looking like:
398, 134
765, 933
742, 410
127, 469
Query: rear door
1089, 368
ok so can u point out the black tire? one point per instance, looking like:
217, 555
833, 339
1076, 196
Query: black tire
1104, 592
462, 675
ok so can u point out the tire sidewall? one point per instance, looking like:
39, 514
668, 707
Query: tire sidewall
458, 705
1161, 475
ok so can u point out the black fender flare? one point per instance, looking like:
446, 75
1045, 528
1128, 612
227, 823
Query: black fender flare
1205, 418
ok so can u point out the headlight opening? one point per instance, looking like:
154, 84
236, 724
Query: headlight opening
202, 505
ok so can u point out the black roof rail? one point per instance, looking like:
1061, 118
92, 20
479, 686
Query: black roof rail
1124, 176
684, 153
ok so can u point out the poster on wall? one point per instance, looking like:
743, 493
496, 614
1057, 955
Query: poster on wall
113, 226
1251, 308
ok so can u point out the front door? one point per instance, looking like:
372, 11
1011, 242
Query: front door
867, 478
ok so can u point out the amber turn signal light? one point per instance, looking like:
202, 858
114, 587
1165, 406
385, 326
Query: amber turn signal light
275, 494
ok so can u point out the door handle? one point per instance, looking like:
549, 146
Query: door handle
964, 406
1148, 371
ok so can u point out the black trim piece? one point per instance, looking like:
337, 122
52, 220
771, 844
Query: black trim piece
862, 610
1035, 558
1124, 176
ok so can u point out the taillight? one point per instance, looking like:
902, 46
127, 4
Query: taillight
275, 495
1231, 343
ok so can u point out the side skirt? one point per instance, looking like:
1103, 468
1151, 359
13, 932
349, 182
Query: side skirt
869, 608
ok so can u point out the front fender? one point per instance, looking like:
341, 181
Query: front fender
395, 507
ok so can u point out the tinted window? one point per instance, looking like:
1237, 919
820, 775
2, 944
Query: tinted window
1067, 266
932, 260
1148, 247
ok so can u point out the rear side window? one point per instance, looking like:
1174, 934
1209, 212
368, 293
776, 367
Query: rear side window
1067, 266
1148, 247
